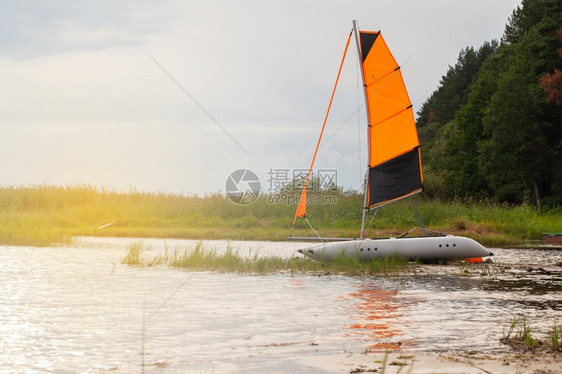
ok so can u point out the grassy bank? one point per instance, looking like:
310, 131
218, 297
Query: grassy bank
199, 258
41, 215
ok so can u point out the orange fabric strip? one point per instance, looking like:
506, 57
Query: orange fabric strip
301, 209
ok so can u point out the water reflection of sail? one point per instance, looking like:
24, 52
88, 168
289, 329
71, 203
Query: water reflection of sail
377, 318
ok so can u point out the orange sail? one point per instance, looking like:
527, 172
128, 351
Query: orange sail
394, 169
394, 154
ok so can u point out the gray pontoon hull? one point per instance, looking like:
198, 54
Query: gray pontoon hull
416, 248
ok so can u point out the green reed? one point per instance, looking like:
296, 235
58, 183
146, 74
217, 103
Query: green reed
555, 336
526, 335
133, 256
230, 260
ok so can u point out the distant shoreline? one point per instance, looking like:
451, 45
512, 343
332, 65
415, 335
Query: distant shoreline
43, 215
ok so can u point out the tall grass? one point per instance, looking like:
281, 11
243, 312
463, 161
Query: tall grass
41, 215
555, 336
525, 335
30, 228
133, 256
231, 261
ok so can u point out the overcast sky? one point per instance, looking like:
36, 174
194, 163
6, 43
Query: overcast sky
90, 90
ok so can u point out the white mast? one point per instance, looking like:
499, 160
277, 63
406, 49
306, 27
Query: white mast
365, 208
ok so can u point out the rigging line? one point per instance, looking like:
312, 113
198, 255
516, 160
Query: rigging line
143, 338
388, 76
408, 59
342, 125
312, 228
377, 89
173, 293
339, 128
393, 115
418, 216
372, 219
180, 287
302, 200
200, 106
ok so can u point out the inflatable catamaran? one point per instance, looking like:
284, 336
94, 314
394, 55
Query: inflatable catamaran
394, 167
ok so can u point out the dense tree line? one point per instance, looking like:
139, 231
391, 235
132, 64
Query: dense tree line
493, 127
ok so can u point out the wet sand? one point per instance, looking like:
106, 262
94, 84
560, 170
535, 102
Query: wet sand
438, 363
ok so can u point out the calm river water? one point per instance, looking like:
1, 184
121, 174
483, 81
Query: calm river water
78, 309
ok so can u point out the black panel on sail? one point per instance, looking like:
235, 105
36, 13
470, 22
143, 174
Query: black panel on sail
367, 41
395, 178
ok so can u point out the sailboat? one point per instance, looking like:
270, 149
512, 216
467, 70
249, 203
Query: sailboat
394, 169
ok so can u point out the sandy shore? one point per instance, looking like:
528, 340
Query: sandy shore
437, 363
